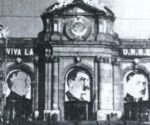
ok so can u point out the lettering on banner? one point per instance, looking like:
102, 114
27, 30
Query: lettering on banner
136, 52
19, 51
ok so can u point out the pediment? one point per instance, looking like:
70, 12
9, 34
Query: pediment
79, 10
76, 10
76, 7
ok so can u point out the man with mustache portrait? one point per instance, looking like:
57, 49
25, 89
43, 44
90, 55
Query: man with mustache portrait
136, 94
78, 82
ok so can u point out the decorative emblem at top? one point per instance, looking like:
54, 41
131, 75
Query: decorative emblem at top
94, 3
78, 28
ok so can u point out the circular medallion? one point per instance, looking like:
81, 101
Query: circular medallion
78, 28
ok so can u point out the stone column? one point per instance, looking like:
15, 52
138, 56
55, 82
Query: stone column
117, 88
105, 88
96, 83
48, 86
35, 90
52, 83
99, 60
1, 92
51, 87
55, 84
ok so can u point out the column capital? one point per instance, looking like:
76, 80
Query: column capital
99, 59
48, 59
55, 59
103, 59
52, 59
116, 61
36, 60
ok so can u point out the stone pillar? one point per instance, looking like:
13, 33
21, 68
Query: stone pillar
96, 83
105, 88
53, 93
117, 88
1, 93
117, 85
55, 84
34, 86
48, 87
99, 60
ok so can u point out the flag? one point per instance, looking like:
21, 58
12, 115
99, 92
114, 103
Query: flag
3, 32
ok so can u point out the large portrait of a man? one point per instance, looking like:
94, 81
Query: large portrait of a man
18, 93
136, 96
77, 86
136, 87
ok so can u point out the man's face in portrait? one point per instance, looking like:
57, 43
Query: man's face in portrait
20, 83
137, 85
79, 87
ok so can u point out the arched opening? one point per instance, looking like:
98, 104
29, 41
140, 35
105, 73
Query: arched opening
18, 92
78, 94
136, 95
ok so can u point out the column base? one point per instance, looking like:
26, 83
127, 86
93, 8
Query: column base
36, 114
49, 113
108, 115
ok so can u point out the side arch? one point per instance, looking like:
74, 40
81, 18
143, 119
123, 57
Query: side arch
89, 69
23, 67
140, 67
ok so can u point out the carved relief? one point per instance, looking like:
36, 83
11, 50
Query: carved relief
78, 28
